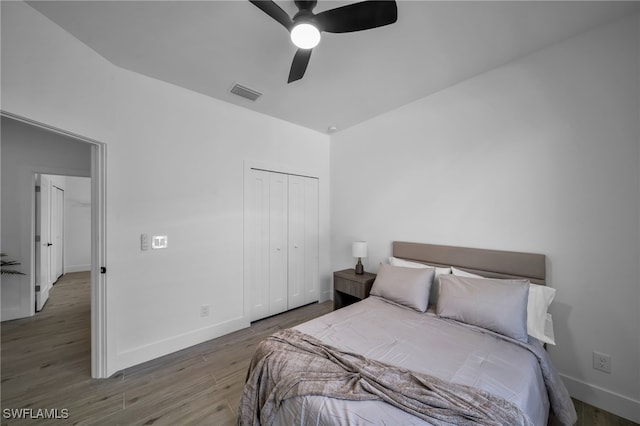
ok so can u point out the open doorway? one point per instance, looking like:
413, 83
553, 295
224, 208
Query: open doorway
62, 231
30, 148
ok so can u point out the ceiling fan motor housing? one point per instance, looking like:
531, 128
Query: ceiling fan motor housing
305, 14
305, 4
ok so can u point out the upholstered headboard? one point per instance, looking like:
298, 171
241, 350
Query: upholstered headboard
488, 263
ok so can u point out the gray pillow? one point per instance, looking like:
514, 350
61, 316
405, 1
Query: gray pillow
497, 305
406, 286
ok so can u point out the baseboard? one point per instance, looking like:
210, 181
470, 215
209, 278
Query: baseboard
12, 313
324, 296
604, 399
154, 350
77, 268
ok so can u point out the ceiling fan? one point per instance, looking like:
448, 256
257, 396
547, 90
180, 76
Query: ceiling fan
305, 26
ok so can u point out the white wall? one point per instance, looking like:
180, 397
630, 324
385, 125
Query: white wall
77, 224
192, 149
27, 150
540, 155
174, 167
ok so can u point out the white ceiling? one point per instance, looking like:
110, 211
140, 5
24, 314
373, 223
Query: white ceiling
207, 46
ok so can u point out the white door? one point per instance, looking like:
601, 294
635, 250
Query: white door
258, 231
303, 241
43, 240
311, 241
278, 242
296, 242
57, 232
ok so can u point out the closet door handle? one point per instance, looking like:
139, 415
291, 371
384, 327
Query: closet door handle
49, 244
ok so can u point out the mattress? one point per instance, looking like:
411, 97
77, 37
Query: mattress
423, 343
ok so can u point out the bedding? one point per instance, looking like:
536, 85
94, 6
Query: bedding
292, 364
498, 305
385, 332
406, 286
408, 264
460, 273
440, 270
539, 321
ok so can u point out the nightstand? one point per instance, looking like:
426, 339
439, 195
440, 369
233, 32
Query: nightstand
349, 288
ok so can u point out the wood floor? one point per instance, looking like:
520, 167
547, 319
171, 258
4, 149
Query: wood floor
46, 365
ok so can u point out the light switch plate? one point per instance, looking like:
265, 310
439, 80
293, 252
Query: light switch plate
159, 242
144, 242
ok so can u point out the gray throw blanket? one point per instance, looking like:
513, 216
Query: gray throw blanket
290, 364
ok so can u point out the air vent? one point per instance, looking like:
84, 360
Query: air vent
245, 92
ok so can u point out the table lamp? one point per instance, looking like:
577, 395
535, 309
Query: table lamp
359, 250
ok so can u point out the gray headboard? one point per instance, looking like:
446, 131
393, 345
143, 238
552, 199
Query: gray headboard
488, 263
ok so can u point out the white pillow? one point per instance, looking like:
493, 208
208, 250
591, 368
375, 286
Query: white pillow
435, 288
548, 330
540, 297
460, 273
408, 264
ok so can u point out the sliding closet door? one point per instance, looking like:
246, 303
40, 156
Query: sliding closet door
278, 244
303, 241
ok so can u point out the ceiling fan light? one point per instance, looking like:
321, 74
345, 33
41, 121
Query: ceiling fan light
305, 36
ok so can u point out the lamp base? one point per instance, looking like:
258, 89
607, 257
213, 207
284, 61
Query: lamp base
359, 268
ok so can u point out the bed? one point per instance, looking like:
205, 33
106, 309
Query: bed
451, 353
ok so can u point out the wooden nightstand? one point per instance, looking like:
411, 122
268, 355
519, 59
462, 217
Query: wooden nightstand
349, 288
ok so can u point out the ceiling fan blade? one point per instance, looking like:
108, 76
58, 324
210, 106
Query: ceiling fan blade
275, 11
299, 65
358, 16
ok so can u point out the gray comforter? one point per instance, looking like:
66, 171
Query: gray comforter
289, 364
421, 342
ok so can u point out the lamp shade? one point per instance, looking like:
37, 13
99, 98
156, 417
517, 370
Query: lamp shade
359, 249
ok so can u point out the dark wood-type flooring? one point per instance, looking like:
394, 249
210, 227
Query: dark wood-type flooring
46, 365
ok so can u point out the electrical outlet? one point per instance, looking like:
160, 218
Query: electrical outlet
602, 362
204, 310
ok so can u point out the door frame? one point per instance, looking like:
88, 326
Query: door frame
100, 347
